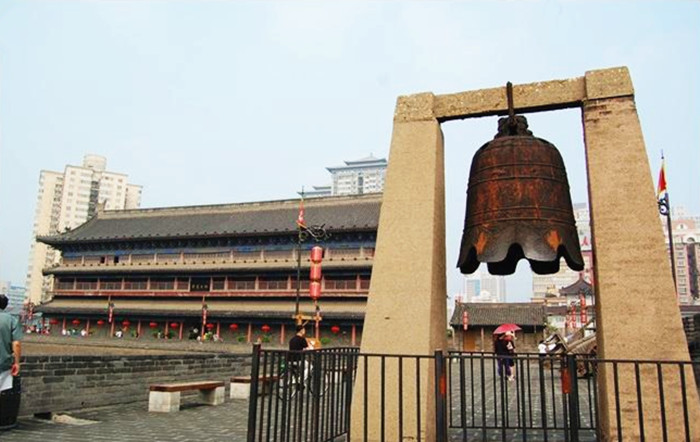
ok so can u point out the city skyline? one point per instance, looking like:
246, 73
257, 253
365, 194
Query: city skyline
223, 102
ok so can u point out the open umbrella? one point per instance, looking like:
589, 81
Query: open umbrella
504, 328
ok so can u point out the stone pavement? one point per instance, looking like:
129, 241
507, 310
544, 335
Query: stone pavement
133, 422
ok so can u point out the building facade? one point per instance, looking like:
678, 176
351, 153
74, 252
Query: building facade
358, 177
227, 271
66, 200
15, 295
484, 287
686, 235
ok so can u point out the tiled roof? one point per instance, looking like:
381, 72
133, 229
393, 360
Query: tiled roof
489, 314
580, 286
259, 218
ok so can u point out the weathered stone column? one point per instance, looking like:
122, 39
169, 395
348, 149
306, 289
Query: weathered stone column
406, 310
637, 315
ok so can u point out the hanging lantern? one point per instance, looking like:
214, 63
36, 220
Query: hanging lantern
518, 204
265, 328
315, 272
174, 324
53, 321
316, 254
233, 327
75, 321
126, 322
335, 329
100, 322
153, 324
315, 290
210, 326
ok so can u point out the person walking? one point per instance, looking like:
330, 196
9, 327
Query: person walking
505, 349
10, 347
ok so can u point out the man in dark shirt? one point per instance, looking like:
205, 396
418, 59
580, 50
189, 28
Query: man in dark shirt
299, 342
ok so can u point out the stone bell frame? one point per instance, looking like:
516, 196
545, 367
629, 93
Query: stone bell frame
636, 309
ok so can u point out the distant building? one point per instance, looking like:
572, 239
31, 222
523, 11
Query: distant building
357, 177
686, 236
484, 287
15, 294
66, 200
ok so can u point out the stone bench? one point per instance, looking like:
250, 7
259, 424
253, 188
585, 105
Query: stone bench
240, 386
166, 397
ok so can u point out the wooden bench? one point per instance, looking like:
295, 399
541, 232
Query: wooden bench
166, 397
240, 386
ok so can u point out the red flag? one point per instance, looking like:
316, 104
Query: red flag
300, 218
661, 189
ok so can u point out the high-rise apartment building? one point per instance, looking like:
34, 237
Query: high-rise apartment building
686, 235
484, 287
66, 200
357, 177
15, 295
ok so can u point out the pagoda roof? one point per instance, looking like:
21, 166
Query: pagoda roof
338, 213
494, 314
580, 286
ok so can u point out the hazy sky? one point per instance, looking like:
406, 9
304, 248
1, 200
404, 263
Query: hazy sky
208, 102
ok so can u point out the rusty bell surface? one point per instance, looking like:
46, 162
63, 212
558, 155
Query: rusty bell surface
518, 205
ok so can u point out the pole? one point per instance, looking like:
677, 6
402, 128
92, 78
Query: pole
296, 312
670, 241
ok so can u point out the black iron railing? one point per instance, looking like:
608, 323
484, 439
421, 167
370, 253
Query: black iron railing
307, 396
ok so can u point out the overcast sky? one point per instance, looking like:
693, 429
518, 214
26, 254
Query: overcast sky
207, 102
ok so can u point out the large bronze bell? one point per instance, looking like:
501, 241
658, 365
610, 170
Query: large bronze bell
518, 204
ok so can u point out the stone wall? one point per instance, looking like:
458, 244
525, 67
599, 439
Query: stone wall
62, 383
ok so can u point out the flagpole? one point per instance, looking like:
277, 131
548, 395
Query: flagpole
665, 210
670, 239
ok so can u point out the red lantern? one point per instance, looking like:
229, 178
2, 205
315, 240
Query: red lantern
75, 321
233, 327
126, 322
53, 321
335, 329
316, 254
153, 324
265, 328
210, 326
100, 322
174, 325
315, 290
315, 272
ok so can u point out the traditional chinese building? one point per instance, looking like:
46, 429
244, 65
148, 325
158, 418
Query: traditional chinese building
229, 270
474, 324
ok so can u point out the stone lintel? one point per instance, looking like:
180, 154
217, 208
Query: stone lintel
531, 97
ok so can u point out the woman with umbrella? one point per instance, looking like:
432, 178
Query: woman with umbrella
504, 346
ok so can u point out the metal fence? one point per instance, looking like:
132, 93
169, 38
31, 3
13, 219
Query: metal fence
307, 396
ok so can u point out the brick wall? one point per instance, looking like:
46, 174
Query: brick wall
61, 383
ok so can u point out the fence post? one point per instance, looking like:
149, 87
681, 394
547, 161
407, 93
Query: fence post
574, 423
253, 400
316, 396
440, 397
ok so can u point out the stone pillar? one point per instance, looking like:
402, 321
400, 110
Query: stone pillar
406, 309
636, 309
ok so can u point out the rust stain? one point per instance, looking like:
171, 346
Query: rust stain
553, 239
481, 243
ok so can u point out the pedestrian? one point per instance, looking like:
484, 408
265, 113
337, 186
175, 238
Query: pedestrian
505, 349
10, 346
542, 350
